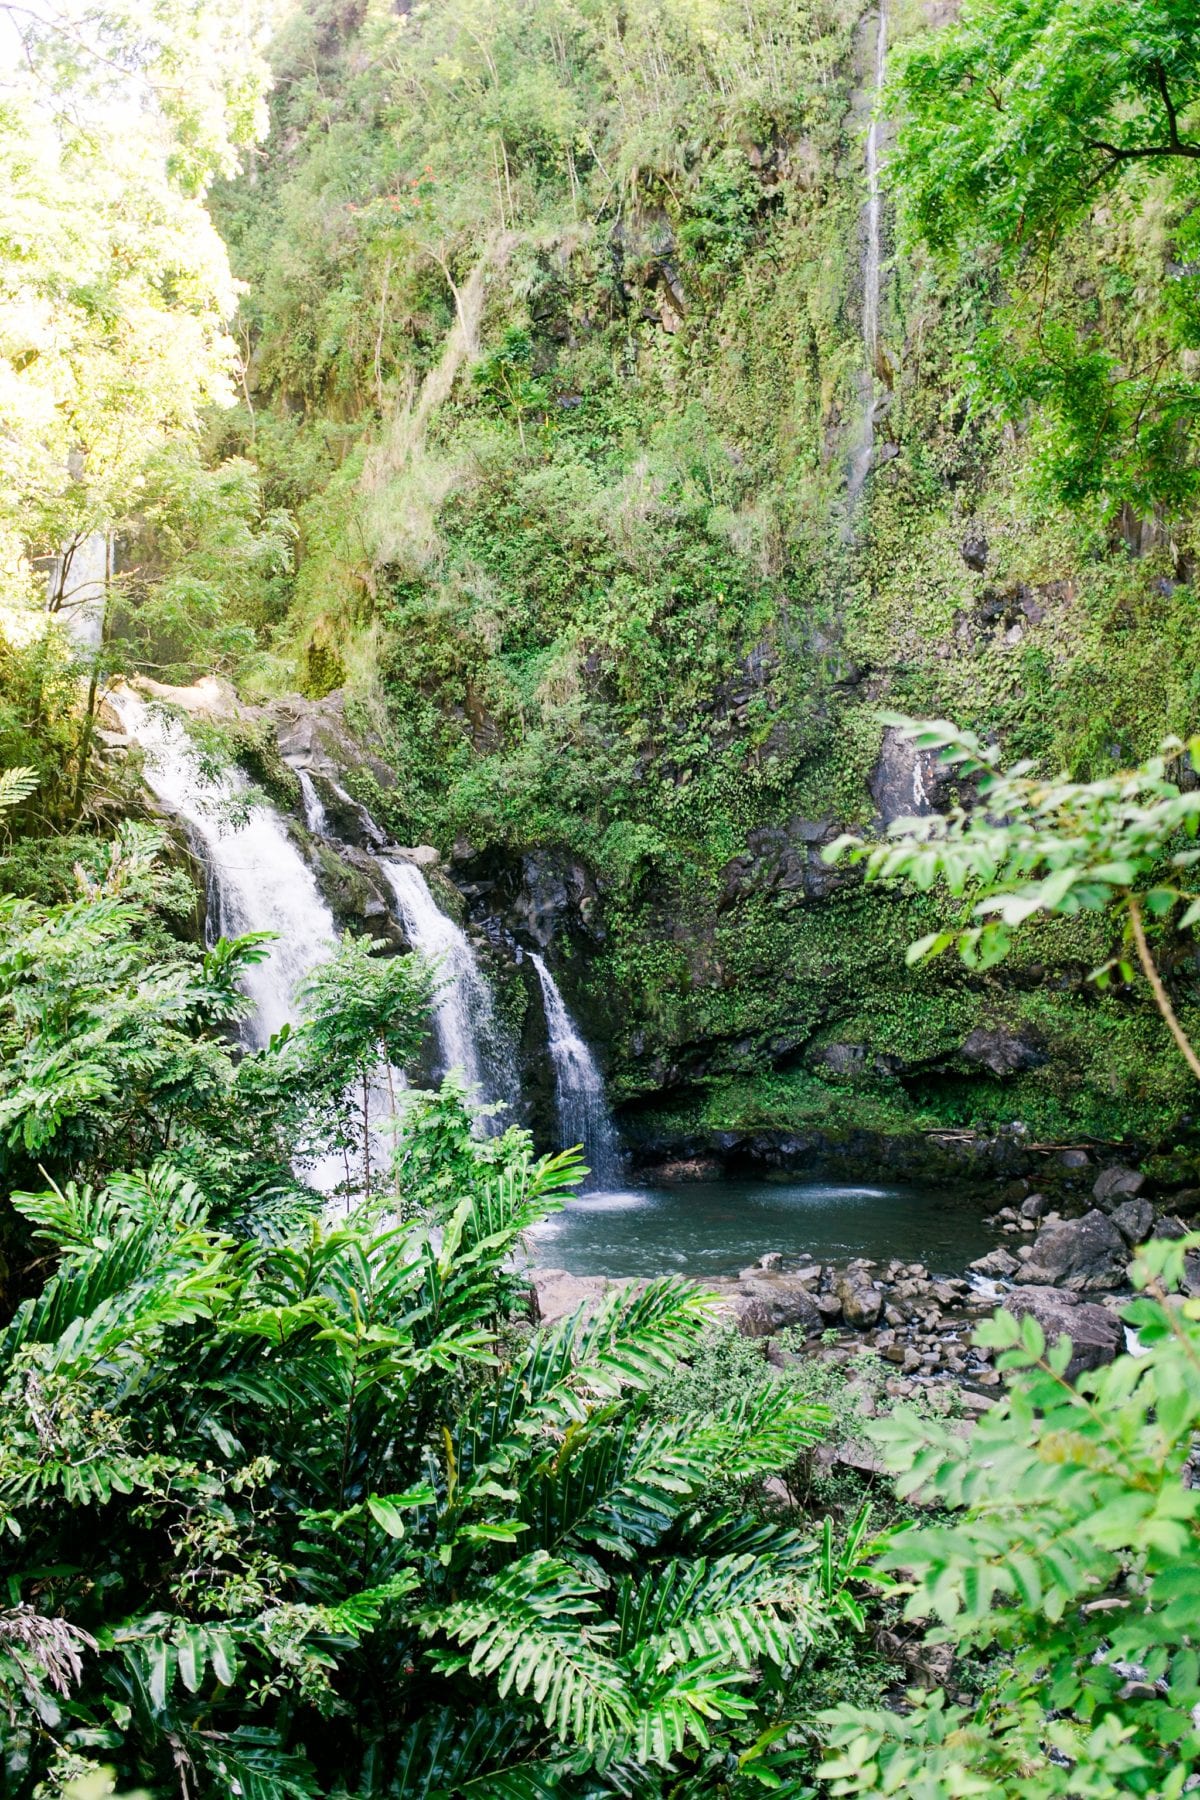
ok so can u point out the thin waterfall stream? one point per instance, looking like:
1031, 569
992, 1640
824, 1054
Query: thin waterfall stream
863, 456
583, 1114
314, 809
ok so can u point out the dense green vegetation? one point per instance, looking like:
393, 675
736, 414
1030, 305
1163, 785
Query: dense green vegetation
528, 428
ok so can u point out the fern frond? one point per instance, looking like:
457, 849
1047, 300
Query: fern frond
635, 1337
758, 1433
16, 785
615, 1489
685, 1704
536, 1629
489, 1754
251, 1765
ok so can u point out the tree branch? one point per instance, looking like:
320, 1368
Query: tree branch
1161, 998
1118, 153
1160, 75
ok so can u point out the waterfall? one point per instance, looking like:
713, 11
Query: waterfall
583, 1115
78, 588
874, 203
863, 456
314, 811
258, 879
469, 1036
316, 814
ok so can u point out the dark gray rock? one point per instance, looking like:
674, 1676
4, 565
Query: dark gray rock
1117, 1184
997, 1263
1003, 1052
1096, 1334
1034, 1207
1134, 1219
765, 1303
1077, 1254
785, 861
906, 782
975, 552
553, 891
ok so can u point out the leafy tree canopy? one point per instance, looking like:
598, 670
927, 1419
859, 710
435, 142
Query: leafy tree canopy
114, 286
1022, 124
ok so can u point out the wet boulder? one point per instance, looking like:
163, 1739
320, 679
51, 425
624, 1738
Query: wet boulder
558, 1293
1077, 1254
540, 896
1096, 1334
998, 1264
906, 782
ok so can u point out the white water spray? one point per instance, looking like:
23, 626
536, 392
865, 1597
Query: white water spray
583, 1115
259, 881
375, 834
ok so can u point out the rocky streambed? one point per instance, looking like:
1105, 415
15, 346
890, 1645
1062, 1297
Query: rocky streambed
1064, 1260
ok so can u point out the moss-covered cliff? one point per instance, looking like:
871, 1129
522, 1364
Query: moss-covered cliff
555, 322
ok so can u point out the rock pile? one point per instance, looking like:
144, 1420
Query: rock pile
1069, 1273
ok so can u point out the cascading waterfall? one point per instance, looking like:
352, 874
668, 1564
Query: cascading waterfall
316, 813
468, 1033
863, 456
258, 879
583, 1115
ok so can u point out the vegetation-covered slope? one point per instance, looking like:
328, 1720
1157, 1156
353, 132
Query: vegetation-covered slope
555, 354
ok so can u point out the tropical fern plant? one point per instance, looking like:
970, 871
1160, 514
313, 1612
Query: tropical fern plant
16, 785
292, 1513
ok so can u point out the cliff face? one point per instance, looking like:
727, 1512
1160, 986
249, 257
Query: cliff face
565, 354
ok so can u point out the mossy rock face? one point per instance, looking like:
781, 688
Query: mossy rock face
322, 666
356, 892
256, 748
